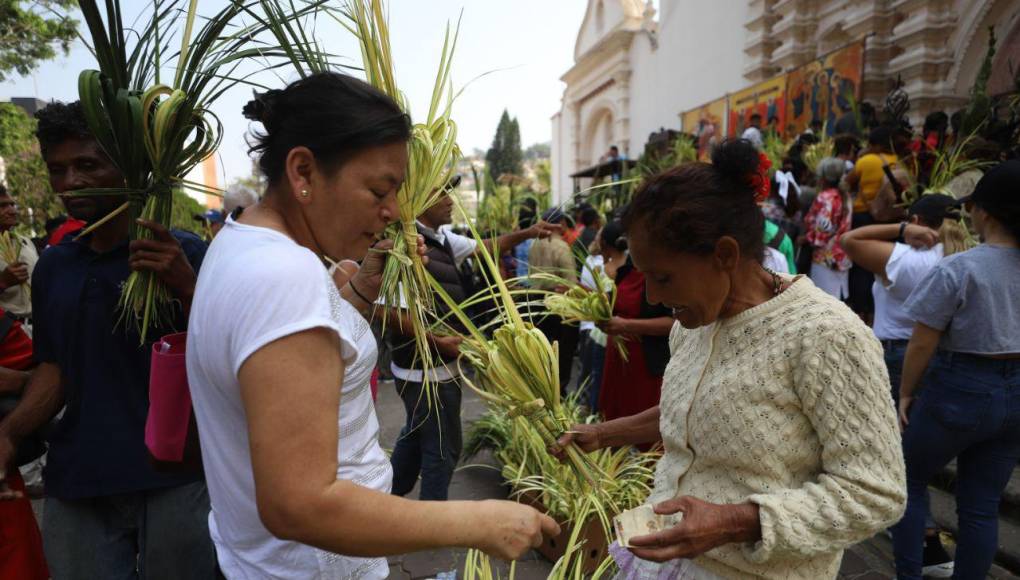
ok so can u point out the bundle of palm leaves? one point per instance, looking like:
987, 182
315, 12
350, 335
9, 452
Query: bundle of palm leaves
580, 304
573, 565
155, 133
775, 149
533, 473
813, 154
542, 480
951, 162
517, 368
478, 566
432, 156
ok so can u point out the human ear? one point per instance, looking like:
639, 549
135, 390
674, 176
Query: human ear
299, 170
727, 254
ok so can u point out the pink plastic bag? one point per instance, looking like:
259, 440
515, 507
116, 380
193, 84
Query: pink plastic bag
167, 425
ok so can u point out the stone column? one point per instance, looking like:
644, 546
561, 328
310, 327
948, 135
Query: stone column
575, 135
621, 132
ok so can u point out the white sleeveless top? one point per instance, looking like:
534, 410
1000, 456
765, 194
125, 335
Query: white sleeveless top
256, 286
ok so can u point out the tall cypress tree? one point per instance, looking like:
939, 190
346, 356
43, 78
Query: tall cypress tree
513, 155
505, 155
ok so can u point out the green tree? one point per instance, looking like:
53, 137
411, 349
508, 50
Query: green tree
26, 175
512, 155
505, 155
31, 32
538, 151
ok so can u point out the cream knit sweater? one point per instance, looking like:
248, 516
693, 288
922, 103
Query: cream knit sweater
786, 405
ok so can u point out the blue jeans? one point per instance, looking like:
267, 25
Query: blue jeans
159, 533
430, 441
970, 410
895, 351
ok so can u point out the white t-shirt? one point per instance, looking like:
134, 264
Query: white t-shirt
905, 269
257, 286
462, 247
588, 281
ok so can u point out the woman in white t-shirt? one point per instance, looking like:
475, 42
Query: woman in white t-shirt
279, 358
900, 256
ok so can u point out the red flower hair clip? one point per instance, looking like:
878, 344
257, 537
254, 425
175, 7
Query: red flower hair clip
759, 180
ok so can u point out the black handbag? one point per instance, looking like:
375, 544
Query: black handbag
33, 446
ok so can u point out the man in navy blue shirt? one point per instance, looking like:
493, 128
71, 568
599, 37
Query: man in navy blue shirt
108, 513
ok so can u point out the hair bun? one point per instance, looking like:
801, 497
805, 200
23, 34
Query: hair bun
741, 164
736, 159
261, 107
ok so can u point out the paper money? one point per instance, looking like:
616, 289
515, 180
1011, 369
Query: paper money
642, 521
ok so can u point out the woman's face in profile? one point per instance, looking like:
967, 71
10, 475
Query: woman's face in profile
694, 286
354, 204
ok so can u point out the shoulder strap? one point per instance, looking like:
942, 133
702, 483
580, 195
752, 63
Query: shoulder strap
777, 240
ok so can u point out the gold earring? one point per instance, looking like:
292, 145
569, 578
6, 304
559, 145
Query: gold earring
304, 193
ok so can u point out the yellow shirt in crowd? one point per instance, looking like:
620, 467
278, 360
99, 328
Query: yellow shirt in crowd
869, 167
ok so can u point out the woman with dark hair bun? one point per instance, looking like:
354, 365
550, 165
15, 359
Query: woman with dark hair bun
781, 449
280, 355
630, 385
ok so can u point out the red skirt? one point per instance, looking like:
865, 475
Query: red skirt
627, 386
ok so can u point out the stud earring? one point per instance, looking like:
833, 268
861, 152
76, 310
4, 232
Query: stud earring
304, 193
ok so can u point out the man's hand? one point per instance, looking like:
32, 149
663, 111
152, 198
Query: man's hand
544, 229
704, 526
448, 346
164, 257
13, 275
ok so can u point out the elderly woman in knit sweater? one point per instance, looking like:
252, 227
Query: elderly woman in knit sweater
781, 447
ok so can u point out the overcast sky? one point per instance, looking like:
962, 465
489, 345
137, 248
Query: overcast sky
529, 43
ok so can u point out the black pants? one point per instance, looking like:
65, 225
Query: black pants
861, 301
567, 336
430, 442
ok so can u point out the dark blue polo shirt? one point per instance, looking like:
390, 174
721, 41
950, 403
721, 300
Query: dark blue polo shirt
98, 446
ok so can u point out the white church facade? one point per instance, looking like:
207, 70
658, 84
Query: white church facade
637, 68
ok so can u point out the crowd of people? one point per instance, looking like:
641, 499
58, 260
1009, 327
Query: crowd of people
798, 414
